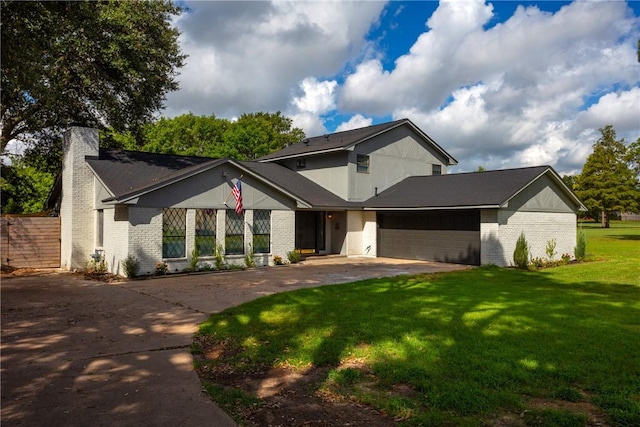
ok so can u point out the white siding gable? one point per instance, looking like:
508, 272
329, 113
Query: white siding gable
394, 156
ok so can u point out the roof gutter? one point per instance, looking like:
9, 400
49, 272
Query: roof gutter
310, 153
434, 208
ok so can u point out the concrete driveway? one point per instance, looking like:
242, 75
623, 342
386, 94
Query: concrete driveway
77, 352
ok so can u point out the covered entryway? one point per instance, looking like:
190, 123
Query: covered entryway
310, 232
443, 236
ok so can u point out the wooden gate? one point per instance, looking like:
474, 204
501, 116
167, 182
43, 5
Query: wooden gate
30, 242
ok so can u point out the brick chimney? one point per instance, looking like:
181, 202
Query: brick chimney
77, 205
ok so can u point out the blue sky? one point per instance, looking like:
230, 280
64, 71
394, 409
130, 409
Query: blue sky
497, 84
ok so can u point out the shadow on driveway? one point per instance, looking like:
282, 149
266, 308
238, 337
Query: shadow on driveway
78, 352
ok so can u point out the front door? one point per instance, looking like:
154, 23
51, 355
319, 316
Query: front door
310, 232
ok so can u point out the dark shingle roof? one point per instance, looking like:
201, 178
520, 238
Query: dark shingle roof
491, 188
128, 172
333, 141
343, 140
298, 185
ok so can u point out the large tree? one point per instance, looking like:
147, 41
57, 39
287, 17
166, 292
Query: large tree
251, 136
607, 182
105, 63
24, 187
258, 134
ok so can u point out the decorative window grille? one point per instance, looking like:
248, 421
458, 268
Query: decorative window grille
234, 233
206, 231
174, 230
261, 231
362, 163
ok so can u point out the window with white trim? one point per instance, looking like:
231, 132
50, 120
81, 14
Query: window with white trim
99, 228
362, 163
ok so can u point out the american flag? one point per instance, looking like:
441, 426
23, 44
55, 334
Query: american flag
237, 193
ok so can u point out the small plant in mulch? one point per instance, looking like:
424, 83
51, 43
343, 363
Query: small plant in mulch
194, 259
277, 260
294, 256
162, 268
96, 265
219, 257
131, 267
206, 267
550, 250
249, 260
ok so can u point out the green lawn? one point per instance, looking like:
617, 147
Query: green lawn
469, 347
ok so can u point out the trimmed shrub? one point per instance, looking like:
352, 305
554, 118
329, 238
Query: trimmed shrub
521, 252
580, 251
131, 266
294, 257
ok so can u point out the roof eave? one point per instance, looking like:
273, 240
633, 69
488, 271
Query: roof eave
452, 161
308, 153
299, 200
111, 193
433, 208
127, 198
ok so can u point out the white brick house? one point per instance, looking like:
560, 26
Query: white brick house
382, 190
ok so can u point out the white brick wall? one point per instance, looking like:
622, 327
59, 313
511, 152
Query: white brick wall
77, 208
145, 237
116, 242
491, 251
499, 239
369, 234
283, 229
355, 225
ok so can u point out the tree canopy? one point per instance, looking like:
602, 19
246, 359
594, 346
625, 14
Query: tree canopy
608, 181
105, 63
24, 187
251, 136
26, 182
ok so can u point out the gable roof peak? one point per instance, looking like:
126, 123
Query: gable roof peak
343, 140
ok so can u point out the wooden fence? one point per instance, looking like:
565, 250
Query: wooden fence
30, 242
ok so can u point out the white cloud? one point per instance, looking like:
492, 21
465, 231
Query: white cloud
531, 89
621, 110
511, 95
249, 56
318, 96
310, 123
355, 122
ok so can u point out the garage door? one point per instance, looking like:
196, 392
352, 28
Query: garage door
445, 236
